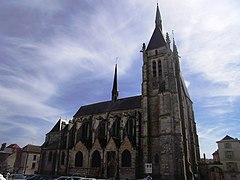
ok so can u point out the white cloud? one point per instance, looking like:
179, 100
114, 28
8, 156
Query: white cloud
85, 45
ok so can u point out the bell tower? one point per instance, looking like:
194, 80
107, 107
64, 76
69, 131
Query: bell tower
169, 136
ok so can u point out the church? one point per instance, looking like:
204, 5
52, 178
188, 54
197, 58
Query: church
130, 138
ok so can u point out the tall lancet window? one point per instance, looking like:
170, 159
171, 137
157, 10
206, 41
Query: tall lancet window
63, 158
154, 69
159, 68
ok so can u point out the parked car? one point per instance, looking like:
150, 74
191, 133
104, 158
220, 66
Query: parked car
39, 177
16, 177
69, 178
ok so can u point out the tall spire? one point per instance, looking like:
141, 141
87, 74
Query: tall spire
175, 51
115, 86
158, 19
157, 40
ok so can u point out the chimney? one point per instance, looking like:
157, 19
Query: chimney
3, 146
204, 157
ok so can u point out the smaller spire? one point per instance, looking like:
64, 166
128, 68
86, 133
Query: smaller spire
168, 39
158, 20
174, 45
115, 86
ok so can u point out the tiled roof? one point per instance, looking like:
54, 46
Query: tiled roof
107, 106
32, 148
13, 146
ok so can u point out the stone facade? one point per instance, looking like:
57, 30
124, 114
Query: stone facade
229, 157
225, 163
10, 158
30, 159
117, 138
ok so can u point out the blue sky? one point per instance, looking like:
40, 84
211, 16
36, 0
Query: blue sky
57, 55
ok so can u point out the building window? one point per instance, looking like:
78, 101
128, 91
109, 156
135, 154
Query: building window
129, 128
233, 177
228, 145
229, 154
102, 130
34, 157
126, 158
159, 68
232, 166
154, 69
50, 156
115, 129
156, 158
84, 131
79, 159
54, 157
33, 165
96, 159
63, 158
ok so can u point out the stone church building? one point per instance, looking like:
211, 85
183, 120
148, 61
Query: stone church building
129, 138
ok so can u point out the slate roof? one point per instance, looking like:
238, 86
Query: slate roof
53, 145
107, 106
57, 126
184, 87
227, 137
157, 40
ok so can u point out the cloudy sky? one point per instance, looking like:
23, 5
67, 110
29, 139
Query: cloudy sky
57, 55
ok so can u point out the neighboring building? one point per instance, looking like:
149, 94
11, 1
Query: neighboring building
211, 169
9, 158
225, 164
229, 156
20, 160
153, 133
30, 159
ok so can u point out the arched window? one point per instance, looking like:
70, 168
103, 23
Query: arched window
159, 68
54, 157
96, 159
102, 130
156, 158
50, 156
156, 52
84, 133
84, 130
79, 159
62, 158
129, 127
154, 69
126, 158
115, 130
